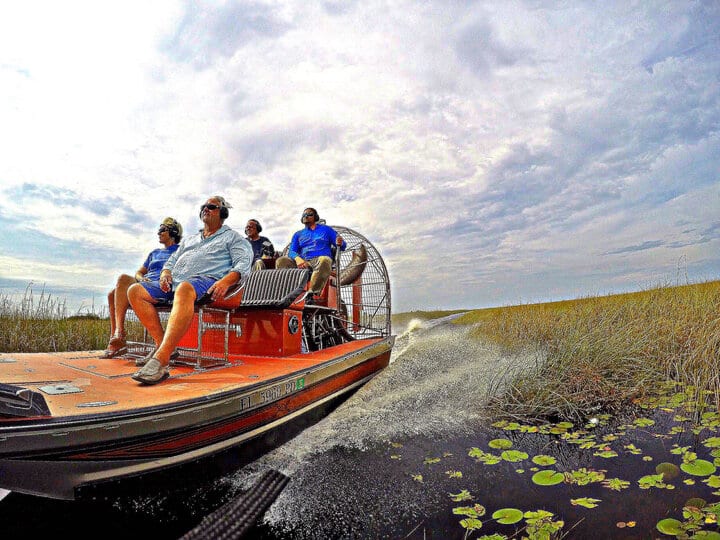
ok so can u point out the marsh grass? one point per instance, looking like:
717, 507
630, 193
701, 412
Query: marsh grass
596, 355
39, 323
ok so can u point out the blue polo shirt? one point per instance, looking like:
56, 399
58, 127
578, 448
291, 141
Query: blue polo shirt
156, 260
213, 257
310, 243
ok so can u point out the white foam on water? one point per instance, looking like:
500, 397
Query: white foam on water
4, 493
436, 384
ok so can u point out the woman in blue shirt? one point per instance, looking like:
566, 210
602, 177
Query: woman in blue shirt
169, 235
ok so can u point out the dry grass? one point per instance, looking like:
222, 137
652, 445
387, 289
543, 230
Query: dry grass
39, 323
599, 353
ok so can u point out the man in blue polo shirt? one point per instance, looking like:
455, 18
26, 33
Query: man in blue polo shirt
311, 248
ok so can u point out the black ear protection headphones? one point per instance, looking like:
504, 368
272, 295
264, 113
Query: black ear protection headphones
173, 232
258, 227
172, 228
224, 213
317, 217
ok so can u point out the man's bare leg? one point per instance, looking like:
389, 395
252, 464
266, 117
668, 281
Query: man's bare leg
180, 319
144, 306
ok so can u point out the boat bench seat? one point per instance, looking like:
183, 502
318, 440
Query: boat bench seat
275, 289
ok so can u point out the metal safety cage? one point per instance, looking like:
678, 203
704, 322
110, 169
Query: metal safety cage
365, 302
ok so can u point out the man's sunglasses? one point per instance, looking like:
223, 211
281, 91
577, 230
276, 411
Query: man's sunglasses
209, 207
162, 230
309, 215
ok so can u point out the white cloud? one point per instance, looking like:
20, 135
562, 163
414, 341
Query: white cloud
494, 153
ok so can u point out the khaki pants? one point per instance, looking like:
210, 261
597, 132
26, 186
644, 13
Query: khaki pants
322, 266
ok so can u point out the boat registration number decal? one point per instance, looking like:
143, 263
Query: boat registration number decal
281, 390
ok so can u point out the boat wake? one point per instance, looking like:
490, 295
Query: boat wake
435, 387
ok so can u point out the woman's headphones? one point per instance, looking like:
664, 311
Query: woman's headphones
174, 228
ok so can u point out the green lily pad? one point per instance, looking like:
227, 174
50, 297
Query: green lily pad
670, 526
548, 478
699, 467
616, 484
706, 535
652, 481
668, 470
713, 481
712, 442
513, 456
587, 502
464, 495
606, 454
471, 524
696, 502
544, 460
498, 444
507, 516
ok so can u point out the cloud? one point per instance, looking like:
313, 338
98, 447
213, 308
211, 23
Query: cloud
210, 31
650, 244
492, 152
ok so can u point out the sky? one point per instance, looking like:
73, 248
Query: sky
494, 152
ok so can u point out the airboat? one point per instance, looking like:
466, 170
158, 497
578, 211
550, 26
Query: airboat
251, 365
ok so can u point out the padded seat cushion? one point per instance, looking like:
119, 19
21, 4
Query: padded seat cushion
274, 288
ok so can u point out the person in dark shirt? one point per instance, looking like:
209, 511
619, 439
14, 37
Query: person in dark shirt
261, 245
311, 248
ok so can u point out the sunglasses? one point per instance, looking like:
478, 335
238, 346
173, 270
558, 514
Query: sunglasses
163, 229
209, 207
308, 215
250, 227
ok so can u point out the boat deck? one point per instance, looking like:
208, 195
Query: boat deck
86, 383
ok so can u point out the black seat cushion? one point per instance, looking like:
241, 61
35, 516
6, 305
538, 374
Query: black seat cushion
274, 288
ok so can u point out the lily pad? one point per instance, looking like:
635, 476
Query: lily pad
668, 470
498, 444
548, 478
471, 524
616, 484
513, 456
464, 495
587, 502
713, 481
670, 526
507, 516
712, 442
544, 460
606, 454
696, 502
699, 467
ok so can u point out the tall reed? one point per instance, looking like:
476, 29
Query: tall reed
39, 323
597, 354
